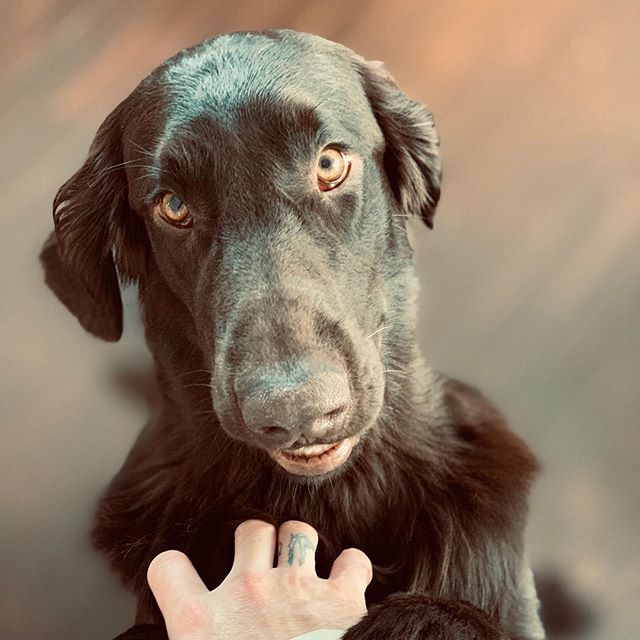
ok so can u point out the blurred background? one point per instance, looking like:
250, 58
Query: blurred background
530, 281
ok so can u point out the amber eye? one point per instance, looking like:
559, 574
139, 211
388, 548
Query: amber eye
333, 168
174, 210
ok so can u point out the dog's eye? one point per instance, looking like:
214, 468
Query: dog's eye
174, 210
333, 167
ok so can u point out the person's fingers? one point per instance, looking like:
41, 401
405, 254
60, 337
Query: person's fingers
297, 543
171, 576
353, 568
255, 546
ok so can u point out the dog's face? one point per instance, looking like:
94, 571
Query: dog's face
257, 187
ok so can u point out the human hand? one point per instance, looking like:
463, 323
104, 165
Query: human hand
257, 600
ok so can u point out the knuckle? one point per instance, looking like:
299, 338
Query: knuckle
251, 586
190, 616
296, 581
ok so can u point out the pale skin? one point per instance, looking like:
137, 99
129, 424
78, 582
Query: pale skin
258, 600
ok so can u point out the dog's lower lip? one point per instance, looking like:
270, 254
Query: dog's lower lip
310, 451
315, 459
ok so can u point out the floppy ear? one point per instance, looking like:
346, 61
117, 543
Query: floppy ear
411, 156
92, 222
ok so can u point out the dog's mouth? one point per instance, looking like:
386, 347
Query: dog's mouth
315, 460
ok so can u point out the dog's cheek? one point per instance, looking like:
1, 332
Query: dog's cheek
175, 256
205, 309
373, 389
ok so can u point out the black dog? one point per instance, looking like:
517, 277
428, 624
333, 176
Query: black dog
256, 188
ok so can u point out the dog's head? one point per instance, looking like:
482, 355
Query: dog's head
256, 187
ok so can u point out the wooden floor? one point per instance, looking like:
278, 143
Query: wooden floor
531, 280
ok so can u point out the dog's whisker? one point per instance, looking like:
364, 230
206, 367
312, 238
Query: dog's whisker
111, 167
107, 170
126, 163
209, 412
399, 371
145, 151
146, 176
198, 384
383, 328
188, 373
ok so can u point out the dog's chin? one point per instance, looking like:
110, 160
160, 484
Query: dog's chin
315, 462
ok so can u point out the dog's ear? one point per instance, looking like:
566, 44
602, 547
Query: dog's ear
411, 156
98, 306
93, 222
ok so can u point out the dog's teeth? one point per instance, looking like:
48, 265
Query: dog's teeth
308, 451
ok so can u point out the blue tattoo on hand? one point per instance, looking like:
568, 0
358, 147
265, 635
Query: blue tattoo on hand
301, 542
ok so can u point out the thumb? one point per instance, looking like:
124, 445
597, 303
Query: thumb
353, 568
171, 576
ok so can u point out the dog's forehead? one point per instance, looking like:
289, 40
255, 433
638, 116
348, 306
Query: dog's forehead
221, 76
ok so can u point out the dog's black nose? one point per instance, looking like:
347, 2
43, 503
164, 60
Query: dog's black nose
302, 399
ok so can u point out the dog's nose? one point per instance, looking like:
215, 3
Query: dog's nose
302, 399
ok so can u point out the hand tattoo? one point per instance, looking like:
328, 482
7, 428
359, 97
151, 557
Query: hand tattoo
301, 542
